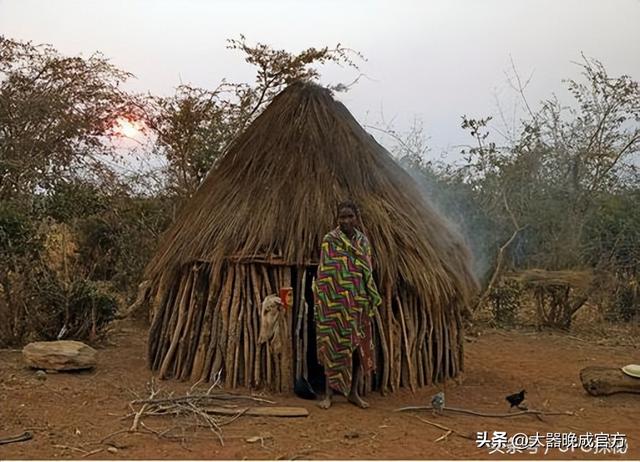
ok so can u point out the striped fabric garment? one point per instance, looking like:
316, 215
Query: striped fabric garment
345, 297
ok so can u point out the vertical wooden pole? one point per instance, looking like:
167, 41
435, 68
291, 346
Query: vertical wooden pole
168, 359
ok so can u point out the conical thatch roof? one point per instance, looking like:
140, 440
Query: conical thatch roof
273, 197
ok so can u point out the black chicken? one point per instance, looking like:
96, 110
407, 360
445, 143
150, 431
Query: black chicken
516, 399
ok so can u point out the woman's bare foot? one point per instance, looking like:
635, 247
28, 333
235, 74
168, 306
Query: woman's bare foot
354, 398
325, 403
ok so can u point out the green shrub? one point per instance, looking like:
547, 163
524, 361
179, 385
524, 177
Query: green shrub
81, 309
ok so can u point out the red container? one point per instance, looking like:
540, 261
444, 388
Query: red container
286, 295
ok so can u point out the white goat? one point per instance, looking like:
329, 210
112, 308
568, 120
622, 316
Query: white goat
272, 323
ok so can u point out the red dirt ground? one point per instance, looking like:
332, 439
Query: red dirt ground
70, 414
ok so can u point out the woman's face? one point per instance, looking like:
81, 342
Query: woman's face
347, 220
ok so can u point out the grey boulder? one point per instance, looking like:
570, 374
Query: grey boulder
60, 355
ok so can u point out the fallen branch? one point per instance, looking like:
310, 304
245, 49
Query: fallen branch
161, 434
442, 427
275, 411
126, 430
211, 422
95, 451
443, 437
234, 417
207, 408
186, 398
16, 439
62, 446
151, 430
303, 454
482, 414
136, 418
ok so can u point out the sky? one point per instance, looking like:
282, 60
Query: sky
429, 61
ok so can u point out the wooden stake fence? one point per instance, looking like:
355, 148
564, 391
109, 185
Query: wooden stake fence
205, 326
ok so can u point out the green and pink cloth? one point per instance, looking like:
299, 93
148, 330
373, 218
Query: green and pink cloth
346, 298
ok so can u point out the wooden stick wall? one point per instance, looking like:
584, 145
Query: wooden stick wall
205, 326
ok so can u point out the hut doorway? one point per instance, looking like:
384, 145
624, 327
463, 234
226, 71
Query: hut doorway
314, 371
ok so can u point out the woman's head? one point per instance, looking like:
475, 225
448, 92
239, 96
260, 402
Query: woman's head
348, 214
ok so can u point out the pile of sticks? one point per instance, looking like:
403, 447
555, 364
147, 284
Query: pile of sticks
212, 409
206, 321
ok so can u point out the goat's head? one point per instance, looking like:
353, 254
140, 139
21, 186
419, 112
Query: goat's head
270, 313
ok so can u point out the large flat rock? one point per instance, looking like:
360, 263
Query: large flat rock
61, 355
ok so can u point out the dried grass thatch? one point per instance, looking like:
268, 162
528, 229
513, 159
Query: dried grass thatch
576, 279
558, 294
256, 223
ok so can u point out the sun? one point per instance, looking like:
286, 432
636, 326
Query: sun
127, 128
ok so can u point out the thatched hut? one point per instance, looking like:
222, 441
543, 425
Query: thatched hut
256, 224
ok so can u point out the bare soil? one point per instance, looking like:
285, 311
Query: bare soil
71, 415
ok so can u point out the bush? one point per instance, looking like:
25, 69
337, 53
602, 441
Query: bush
43, 284
19, 240
78, 310
70, 200
20, 248
626, 301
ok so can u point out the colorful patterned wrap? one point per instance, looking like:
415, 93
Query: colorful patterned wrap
346, 298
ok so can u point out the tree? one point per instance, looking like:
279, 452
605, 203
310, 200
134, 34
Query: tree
552, 182
56, 117
554, 196
565, 158
195, 126
54, 114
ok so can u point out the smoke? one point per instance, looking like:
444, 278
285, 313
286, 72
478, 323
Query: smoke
455, 205
442, 188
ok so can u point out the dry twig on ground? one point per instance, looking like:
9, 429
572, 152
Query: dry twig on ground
212, 409
447, 429
483, 414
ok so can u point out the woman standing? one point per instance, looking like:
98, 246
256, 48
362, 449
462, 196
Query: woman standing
346, 298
